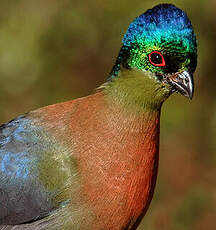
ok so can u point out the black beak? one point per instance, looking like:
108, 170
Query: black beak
182, 83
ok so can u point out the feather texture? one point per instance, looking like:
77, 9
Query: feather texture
91, 163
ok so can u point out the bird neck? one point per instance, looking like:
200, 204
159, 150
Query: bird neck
136, 91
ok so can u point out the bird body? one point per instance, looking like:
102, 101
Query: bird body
91, 163
68, 143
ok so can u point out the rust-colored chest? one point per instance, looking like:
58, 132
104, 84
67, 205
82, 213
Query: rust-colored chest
118, 158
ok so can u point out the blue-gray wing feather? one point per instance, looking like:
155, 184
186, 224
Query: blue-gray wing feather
22, 197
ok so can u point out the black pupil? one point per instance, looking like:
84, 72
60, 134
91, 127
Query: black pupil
156, 58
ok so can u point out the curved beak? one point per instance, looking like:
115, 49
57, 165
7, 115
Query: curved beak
182, 83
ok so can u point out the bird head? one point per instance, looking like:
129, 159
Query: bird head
161, 44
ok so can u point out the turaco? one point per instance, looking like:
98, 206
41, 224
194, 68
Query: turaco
91, 163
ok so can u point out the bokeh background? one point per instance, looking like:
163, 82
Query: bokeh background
52, 51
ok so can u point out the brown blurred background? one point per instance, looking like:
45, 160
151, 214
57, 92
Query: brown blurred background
52, 51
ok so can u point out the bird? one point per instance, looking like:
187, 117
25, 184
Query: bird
91, 163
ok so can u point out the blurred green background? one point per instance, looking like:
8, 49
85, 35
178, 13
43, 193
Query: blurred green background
52, 51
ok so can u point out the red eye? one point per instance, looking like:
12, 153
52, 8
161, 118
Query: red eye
156, 58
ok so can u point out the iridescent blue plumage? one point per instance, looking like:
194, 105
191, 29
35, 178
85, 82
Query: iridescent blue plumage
15, 162
28, 186
23, 196
164, 28
164, 22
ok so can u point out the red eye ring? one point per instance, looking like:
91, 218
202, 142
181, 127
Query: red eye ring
156, 58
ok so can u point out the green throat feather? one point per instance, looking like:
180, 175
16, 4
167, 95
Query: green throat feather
147, 94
